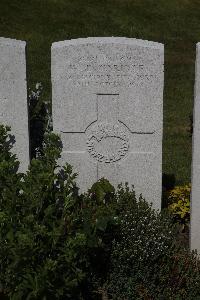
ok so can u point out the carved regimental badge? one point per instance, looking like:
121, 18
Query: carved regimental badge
108, 142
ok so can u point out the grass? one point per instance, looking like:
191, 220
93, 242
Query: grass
172, 22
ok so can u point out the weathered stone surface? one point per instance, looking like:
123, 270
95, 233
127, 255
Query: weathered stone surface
107, 106
13, 96
195, 194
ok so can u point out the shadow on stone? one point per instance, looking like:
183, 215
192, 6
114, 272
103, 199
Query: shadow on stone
11, 141
168, 183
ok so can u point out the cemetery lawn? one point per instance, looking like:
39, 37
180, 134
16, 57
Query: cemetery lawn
176, 23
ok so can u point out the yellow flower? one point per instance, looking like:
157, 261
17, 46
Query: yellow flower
179, 199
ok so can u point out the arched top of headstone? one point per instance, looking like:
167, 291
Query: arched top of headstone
109, 40
12, 42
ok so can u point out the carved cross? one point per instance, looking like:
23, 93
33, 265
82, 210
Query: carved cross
106, 141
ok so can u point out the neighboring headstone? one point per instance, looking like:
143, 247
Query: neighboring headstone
195, 194
13, 96
108, 108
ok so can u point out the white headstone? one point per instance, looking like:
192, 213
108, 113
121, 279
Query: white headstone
107, 106
195, 194
13, 96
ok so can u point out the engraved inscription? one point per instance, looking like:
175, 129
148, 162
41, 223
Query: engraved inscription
108, 142
121, 68
107, 74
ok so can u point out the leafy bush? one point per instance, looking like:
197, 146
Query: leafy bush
179, 203
146, 262
40, 119
35, 244
47, 231
57, 244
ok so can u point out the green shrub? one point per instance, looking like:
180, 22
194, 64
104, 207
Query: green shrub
47, 231
57, 244
39, 256
40, 119
146, 263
